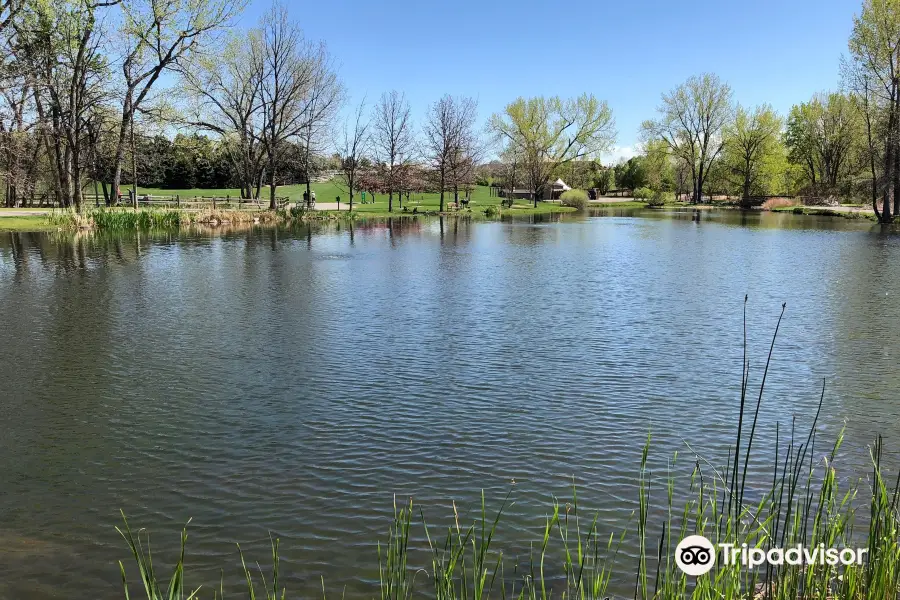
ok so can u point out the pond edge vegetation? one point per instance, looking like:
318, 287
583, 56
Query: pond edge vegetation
802, 503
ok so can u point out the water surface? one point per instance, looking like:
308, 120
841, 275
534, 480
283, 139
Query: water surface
296, 381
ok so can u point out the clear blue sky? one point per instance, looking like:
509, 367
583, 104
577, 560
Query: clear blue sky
626, 52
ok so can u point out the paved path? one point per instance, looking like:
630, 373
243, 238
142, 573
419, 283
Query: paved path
332, 206
844, 209
23, 212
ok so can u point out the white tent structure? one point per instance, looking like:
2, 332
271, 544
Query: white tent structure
553, 191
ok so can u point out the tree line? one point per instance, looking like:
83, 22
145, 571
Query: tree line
837, 144
86, 102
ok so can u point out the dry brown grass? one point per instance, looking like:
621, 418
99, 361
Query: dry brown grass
777, 203
216, 217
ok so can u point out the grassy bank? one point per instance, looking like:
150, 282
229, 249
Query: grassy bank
825, 212
796, 498
628, 204
329, 191
26, 223
121, 218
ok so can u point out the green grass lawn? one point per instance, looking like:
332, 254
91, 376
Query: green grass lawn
329, 191
325, 192
29, 223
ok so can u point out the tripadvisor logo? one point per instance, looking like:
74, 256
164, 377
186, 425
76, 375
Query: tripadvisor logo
696, 555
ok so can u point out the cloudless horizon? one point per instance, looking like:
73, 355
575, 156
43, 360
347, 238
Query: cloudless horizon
626, 53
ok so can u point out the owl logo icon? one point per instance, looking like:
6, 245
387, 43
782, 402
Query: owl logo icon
695, 555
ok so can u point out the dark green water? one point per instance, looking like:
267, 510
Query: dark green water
296, 381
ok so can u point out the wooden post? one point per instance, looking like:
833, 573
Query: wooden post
214, 203
178, 200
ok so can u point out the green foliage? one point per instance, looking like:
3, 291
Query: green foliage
270, 588
659, 198
143, 558
630, 174
574, 198
690, 122
605, 180
128, 219
823, 137
753, 159
491, 211
396, 582
657, 165
548, 133
643, 193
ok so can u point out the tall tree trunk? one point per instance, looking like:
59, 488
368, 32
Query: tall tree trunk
273, 205
885, 215
120, 146
134, 176
895, 182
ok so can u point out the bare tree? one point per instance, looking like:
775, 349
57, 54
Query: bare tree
326, 94
299, 92
226, 97
157, 34
691, 120
61, 49
393, 138
450, 140
352, 151
863, 90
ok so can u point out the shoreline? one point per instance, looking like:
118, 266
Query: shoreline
49, 219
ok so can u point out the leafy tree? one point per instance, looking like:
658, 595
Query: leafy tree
752, 146
875, 60
605, 180
691, 121
630, 174
549, 133
823, 136
657, 166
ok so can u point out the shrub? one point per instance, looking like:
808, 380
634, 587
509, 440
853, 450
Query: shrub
643, 193
777, 203
491, 211
659, 198
574, 198
507, 202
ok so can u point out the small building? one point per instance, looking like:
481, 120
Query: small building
552, 191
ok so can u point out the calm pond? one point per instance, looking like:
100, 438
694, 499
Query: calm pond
295, 381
